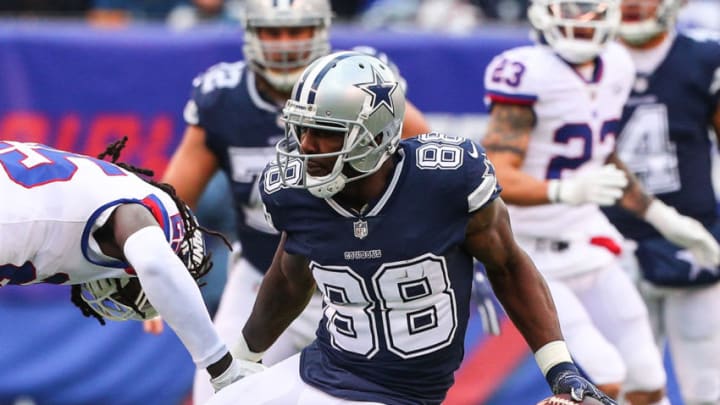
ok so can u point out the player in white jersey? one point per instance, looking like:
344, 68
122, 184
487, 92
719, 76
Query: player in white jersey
121, 242
555, 114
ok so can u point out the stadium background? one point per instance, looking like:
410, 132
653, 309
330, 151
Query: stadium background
78, 88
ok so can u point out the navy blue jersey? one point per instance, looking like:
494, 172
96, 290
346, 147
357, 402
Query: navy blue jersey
664, 138
396, 280
242, 128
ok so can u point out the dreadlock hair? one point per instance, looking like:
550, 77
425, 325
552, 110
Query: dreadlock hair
197, 269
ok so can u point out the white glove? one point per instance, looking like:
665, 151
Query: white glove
685, 232
602, 186
238, 369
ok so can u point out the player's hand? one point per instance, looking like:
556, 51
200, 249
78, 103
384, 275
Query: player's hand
685, 232
602, 186
486, 307
154, 326
238, 369
564, 378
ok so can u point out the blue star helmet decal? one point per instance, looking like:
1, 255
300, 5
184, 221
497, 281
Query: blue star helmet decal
380, 91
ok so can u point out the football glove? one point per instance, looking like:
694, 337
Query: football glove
485, 305
564, 378
238, 369
685, 232
602, 186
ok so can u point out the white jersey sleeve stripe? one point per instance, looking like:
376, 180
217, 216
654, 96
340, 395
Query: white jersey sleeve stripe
482, 193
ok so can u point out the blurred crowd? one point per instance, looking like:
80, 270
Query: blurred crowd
450, 15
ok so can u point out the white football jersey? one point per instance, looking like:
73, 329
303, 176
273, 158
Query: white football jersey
52, 202
577, 123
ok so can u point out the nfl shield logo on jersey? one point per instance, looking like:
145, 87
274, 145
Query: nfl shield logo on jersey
360, 229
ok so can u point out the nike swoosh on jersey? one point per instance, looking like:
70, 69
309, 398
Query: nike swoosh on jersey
474, 153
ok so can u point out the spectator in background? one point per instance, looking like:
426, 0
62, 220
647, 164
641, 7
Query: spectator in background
111, 12
53, 8
196, 12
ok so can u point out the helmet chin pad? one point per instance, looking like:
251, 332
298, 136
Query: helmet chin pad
321, 187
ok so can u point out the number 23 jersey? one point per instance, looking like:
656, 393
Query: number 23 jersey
577, 119
395, 280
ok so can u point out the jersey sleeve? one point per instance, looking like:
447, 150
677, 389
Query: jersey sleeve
270, 185
712, 58
482, 184
208, 89
509, 78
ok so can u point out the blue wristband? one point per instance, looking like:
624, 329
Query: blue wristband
559, 368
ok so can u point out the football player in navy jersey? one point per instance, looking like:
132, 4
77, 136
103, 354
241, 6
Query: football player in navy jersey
233, 123
387, 231
664, 141
555, 110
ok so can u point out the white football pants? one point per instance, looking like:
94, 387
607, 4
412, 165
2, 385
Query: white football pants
688, 321
278, 385
235, 306
606, 327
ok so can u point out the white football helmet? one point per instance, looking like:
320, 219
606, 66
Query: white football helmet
281, 62
352, 93
577, 30
643, 20
122, 299
118, 299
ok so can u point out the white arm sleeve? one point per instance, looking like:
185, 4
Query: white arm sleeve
174, 294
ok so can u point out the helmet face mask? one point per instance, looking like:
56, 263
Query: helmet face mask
280, 59
577, 30
122, 299
118, 299
354, 95
643, 20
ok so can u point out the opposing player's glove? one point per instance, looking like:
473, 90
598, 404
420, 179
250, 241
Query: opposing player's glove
238, 369
685, 232
564, 378
602, 186
484, 299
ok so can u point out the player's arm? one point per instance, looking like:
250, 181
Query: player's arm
414, 122
189, 171
516, 282
169, 286
285, 291
524, 295
679, 229
634, 198
191, 166
506, 142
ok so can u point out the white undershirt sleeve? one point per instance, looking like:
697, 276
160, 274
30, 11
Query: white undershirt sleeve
174, 294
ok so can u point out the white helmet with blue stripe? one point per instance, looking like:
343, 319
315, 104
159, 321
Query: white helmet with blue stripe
577, 30
347, 92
